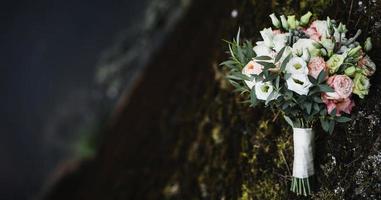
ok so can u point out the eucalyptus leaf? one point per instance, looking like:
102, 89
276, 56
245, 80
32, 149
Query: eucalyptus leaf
333, 112
312, 80
279, 55
263, 58
308, 106
321, 76
253, 97
287, 76
229, 63
317, 99
284, 63
324, 124
343, 119
266, 64
289, 121
331, 126
325, 88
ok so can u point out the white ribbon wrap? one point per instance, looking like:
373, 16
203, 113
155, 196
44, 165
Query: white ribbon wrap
303, 152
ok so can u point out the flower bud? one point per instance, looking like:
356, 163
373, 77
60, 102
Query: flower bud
368, 44
305, 19
355, 52
330, 28
291, 21
284, 22
342, 28
275, 20
350, 71
306, 55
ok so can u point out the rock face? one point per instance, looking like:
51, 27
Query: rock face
181, 133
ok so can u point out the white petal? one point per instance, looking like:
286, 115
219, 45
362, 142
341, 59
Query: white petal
297, 66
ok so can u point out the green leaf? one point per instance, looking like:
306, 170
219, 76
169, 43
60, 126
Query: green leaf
331, 126
323, 112
333, 112
324, 124
270, 77
314, 90
229, 63
289, 121
262, 58
270, 97
277, 82
312, 80
279, 55
240, 55
325, 88
285, 105
238, 35
235, 84
266, 64
317, 99
232, 52
321, 76
284, 63
287, 76
253, 97
238, 76
343, 119
308, 106
316, 107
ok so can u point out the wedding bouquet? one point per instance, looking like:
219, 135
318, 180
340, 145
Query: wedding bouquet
307, 71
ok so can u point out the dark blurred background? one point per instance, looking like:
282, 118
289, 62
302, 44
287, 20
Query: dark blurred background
50, 98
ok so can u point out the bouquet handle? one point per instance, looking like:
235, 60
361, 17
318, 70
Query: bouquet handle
303, 167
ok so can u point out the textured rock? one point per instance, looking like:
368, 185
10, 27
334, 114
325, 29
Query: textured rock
182, 133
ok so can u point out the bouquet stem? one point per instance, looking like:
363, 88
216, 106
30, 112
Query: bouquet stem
303, 168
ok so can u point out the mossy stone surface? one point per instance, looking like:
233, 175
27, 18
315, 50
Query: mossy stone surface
199, 141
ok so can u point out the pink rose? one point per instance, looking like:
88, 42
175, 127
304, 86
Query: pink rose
367, 65
312, 32
343, 86
252, 68
315, 66
342, 105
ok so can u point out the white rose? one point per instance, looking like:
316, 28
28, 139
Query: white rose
322, 28
262, 50
301, 44
280, 40
267, 35
264, 89
299, 83
297, 65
